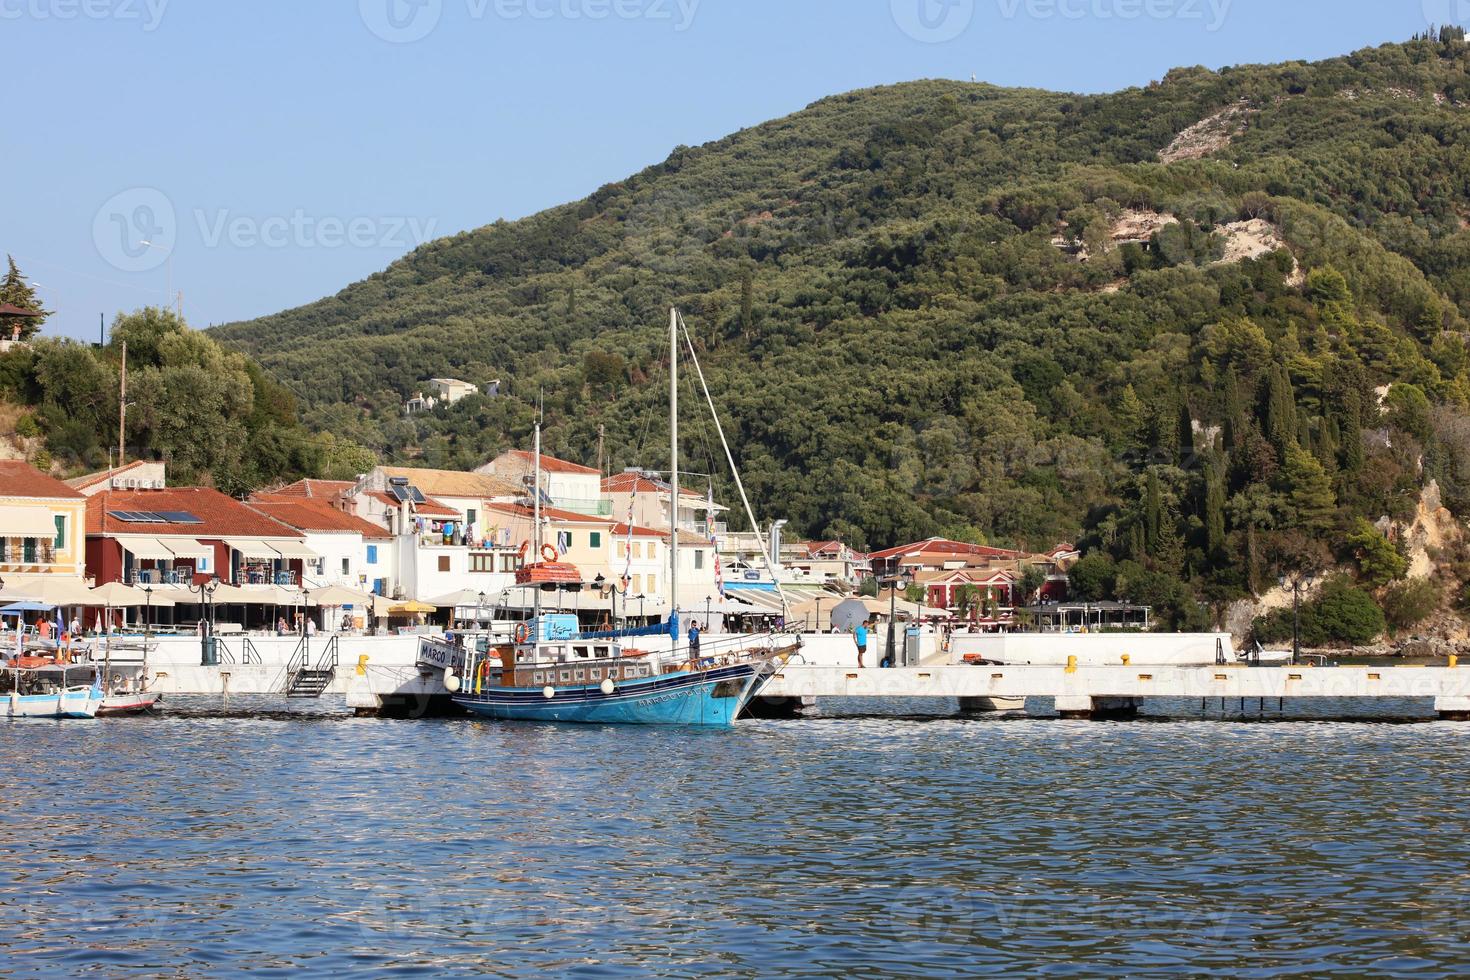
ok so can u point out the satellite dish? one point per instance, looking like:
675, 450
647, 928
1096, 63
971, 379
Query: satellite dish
849, 614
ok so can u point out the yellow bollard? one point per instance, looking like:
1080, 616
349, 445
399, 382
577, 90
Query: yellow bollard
1071, 665
1454, 660
362, 665
1127, 660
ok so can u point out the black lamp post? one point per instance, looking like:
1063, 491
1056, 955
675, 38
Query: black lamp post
640, 608
892, 659
1296, 622
148, 616
708, 605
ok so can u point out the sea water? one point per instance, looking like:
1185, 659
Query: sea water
865, 845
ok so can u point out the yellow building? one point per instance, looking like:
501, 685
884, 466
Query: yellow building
42, 524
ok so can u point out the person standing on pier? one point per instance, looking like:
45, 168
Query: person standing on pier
694, 644
860, 637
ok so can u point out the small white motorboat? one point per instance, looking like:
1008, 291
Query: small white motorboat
46, 691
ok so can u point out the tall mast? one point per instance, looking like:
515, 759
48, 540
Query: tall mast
674, 461
122, 409
536, 519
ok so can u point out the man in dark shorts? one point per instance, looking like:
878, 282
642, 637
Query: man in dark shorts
860, 637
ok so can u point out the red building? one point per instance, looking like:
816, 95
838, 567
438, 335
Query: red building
186, 536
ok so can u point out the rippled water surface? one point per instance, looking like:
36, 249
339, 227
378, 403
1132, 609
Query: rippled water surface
858, 847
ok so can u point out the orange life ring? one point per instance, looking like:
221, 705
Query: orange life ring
552, 556
525, 547
523, 633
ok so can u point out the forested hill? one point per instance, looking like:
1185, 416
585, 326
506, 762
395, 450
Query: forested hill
953, 308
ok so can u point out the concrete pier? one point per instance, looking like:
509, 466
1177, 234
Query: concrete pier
1104, 692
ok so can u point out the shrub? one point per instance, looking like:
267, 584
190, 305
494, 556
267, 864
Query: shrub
1408, 604
1341, 614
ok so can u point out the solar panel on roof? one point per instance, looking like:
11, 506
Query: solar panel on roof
180, 517
138, 517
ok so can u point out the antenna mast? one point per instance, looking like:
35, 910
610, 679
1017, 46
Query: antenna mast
674, 463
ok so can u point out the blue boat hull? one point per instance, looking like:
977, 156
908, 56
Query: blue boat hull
711, 699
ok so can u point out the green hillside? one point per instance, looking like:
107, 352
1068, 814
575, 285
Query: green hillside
953, 308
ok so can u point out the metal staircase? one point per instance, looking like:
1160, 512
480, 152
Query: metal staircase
308, 680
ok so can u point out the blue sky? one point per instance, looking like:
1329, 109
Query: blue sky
275, 151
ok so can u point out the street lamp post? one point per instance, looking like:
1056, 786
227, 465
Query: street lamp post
1296, 622
641, 599
891, 660
480, 614
708, 605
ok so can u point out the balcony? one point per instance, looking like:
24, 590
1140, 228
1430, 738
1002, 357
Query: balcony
159, 576
593, 507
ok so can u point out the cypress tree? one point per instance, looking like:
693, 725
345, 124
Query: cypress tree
1153, 512
1187, 447
1214, 511
1233, 409
1309, 490
1281, 424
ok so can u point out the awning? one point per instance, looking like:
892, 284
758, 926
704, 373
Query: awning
188, 548
27, 522
295, 549
252, 549
148, 549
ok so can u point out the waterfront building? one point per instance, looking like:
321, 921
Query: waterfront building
565, 485
350, 551
43, 525
141, 474
186, 536
644, 497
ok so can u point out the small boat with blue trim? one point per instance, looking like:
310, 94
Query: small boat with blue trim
49, 690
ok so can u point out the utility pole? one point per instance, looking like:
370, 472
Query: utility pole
122, 408
601, 435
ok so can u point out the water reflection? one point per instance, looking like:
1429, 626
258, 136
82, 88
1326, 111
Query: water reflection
862, 846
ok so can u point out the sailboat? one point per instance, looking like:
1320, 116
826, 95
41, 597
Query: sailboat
553, 672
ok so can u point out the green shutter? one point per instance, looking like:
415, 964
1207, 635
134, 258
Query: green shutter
597, 539
60, 541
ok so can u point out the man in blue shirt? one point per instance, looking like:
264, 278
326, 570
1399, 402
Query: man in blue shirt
694, 643
860, 636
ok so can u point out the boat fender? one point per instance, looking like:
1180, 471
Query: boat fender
523, 633
548, 692
608, 687
525, 549
548, 553
451, 683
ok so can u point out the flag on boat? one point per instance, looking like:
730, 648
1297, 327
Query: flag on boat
563, 542
628, 544
714, 540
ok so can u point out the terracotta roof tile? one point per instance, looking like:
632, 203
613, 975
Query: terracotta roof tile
453, 483
550, 464
306, 514
220, 516
21, 479
323, 489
